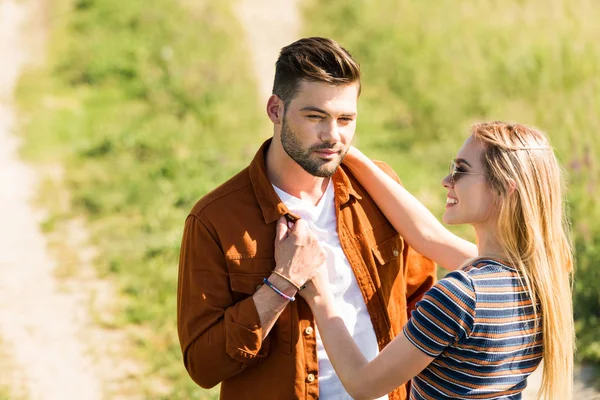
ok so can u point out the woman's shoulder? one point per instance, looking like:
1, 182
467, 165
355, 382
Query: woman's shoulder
488, 275
482, 267
455, 284
478, 276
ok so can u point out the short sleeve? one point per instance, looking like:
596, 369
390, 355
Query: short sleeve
445, 314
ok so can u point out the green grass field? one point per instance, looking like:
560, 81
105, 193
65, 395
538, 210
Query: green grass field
148, 108
432, 69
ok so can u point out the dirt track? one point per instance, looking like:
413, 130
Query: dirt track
50, 346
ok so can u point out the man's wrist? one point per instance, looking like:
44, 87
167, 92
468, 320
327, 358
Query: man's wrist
283, 285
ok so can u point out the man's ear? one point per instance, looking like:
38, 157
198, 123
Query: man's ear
275, 109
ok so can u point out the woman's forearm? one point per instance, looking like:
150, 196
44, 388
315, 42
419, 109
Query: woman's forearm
409, 216
345, 356
397, 363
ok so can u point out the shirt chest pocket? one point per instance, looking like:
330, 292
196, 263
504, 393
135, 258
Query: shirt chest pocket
245, 282
388, 250
389, 262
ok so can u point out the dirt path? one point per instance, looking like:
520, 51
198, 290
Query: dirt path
46, 327
38, 323
270, 25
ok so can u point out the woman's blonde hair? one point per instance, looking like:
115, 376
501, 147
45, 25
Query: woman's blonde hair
533, 232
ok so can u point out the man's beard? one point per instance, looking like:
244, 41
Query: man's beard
313, 165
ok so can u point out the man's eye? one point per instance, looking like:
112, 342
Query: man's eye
314, 116
346, 120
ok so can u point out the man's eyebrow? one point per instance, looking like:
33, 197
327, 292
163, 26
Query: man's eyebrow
321, 111
315, 109
462, 161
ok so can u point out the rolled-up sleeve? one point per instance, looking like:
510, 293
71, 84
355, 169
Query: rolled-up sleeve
219, 338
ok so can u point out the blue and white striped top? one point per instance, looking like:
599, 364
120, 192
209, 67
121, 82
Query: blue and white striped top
479, 324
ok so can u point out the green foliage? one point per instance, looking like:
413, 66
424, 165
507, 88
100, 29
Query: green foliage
430, 69
146, 105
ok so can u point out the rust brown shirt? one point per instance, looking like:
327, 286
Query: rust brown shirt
227, 249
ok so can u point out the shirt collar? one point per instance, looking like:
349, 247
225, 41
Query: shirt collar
343, 188
271, 205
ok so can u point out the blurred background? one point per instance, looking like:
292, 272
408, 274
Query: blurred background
130, 111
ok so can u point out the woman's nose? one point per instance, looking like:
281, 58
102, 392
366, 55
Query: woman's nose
447, 182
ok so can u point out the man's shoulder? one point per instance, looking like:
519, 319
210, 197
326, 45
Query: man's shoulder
385, 167
225, 195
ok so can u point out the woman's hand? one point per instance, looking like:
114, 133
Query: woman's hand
353, 157
352, 152
317, 290
355, 160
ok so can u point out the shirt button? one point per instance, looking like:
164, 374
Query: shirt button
396, 253
308, 330
310, 378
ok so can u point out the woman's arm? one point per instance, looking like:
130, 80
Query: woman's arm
409, 216
398, 362
446, 314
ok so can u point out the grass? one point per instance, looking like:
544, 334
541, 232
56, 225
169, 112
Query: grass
430, 70
147, 109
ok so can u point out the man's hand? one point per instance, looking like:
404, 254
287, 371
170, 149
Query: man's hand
298, 254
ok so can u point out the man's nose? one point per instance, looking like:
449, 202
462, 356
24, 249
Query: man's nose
331, 132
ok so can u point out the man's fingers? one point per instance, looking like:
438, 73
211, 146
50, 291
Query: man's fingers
282, 228
301, 228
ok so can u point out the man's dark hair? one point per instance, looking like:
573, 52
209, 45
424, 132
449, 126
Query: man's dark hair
313, 59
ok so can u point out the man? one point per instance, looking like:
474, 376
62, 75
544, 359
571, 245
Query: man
244, 331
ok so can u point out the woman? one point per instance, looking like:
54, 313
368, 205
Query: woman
477, 333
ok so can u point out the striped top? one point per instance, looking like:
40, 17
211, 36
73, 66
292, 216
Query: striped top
478, 323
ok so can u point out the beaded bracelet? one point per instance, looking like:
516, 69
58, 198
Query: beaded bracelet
279, 292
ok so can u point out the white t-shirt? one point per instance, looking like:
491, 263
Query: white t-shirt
349, 301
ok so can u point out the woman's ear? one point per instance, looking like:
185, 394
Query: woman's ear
512, 186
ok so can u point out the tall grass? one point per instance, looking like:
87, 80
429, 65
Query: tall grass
433, 68
148, 105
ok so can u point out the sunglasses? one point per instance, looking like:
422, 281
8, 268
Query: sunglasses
454, 171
